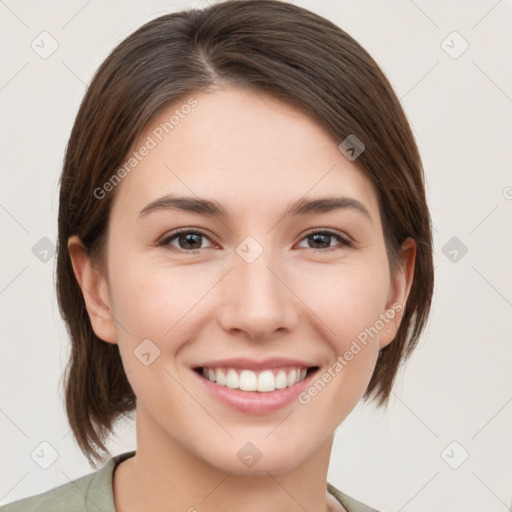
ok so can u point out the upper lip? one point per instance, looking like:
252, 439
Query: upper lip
253, 364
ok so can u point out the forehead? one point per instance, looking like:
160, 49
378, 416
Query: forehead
239, 146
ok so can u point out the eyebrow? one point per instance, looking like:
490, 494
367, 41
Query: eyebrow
213, 208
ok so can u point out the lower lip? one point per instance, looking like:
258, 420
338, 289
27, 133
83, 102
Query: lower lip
255, 402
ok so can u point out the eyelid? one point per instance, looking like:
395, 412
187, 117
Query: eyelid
164, 240
330, 231
345, 240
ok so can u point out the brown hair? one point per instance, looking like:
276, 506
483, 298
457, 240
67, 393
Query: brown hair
270, 46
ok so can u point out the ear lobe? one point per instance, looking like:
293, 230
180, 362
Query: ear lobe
400, 288
95, 291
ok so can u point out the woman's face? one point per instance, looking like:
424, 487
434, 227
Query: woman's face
253, 294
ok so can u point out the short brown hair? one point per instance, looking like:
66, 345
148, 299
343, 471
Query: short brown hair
269, 46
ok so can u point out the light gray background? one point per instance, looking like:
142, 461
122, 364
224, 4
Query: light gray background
457, 386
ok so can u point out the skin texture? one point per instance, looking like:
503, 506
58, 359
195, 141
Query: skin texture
298, 299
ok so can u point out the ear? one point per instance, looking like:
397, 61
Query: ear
399, 291
95, 291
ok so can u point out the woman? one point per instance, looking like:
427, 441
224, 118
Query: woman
244, 252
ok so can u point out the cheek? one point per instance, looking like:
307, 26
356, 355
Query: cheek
346, 298
153, 300
348, 301
151, 303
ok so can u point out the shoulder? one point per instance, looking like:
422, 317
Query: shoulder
71, 496
351, 504
66, 497
84, 494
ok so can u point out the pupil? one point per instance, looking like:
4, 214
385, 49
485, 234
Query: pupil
189, 239
321, 237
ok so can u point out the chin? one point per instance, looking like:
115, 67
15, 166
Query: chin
258, 457
275, 463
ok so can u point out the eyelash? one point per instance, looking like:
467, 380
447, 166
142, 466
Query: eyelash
344, 241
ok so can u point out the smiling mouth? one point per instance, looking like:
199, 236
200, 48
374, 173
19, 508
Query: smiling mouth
264, 381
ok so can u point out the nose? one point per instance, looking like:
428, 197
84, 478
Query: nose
258, 299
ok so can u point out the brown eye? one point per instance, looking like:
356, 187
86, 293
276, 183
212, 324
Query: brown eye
319, 240
187, 240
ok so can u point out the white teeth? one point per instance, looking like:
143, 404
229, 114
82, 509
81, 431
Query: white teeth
281, 380
220, 377
266, 381
232, 380
247, 380
290, 380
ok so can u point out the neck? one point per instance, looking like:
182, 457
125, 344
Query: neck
164, 472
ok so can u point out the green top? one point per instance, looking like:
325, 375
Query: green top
93, 493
